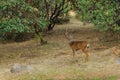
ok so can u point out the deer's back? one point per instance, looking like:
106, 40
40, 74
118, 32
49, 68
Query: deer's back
77, 45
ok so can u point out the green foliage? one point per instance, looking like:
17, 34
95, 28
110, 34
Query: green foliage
14, 25
29, 16
52, 10
18, 16
103, 13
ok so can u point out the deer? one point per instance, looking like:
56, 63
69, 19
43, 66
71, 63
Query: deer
76, 45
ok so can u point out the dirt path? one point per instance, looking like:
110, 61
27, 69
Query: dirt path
55, 60
63, 66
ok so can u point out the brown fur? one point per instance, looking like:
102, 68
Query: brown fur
79, 45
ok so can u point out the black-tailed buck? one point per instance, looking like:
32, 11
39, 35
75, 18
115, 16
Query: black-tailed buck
78, 45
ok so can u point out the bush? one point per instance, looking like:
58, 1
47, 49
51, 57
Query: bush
104, 14
17, 37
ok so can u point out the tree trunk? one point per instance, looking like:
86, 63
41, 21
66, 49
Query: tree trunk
38, 32
51, 26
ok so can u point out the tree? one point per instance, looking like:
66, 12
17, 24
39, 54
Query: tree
104, 14
30, 16
52, 10
18, 16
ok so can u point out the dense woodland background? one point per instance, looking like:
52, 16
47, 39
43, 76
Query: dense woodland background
33, 45
23, 19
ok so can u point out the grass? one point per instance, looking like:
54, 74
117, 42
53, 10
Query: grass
54, 60
59, 77
106, 78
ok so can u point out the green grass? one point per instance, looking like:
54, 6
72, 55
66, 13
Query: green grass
106, 78
75, 75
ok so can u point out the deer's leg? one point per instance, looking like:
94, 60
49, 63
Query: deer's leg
73, 53
86, 53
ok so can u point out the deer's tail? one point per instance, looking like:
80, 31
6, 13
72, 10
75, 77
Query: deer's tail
88, 45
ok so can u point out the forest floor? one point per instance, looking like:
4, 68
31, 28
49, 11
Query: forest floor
54, 61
